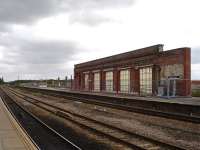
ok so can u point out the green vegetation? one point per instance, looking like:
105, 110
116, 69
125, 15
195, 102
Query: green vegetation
196, 93
18, 82
1, 80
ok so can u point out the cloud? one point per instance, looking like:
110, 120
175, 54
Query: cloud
195, 55
37, 58
88, 5
90, 12
195, 71
4, 28
30, 11
26, 11
90, 19
47, 52
39, 52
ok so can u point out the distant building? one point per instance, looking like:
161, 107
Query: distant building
59, 83
34, 83
146, 71
49, 83
195, 84
42, 84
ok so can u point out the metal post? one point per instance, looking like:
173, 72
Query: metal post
174, 88
168, 82
71, 82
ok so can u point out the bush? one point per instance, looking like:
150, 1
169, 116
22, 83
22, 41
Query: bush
196, 93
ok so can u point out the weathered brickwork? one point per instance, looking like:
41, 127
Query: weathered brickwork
164, 64
171, 70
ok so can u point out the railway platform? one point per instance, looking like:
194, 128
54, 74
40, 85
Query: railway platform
175, 100
195, 101
12, 136
184, 106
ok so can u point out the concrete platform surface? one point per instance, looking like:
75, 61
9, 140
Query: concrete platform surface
10, 139
195, 101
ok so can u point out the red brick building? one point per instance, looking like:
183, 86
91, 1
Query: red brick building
145, 71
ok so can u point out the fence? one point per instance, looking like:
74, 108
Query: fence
163, 88
173, 87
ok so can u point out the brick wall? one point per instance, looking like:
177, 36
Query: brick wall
135, 59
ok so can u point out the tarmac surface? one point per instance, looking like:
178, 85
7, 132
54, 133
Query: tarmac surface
10, 138
178, 100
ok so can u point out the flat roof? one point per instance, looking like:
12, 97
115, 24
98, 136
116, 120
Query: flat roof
134, 53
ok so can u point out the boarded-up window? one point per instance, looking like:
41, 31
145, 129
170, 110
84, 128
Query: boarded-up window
146, 81
124, 80
97, 81
86, 81
109, 81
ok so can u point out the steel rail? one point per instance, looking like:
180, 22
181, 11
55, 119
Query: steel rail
75, 147
8, 108
175, 116
60, 113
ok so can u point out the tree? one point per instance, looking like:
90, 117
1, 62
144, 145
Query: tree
66, 78
1, 80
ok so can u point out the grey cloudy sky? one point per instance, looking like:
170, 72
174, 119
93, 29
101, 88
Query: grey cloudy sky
42, 39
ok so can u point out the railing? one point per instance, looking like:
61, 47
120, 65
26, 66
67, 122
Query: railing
167, 88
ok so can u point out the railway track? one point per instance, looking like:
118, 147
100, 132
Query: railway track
43, 136
132, 140
119, 105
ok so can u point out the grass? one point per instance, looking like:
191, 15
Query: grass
196, 93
